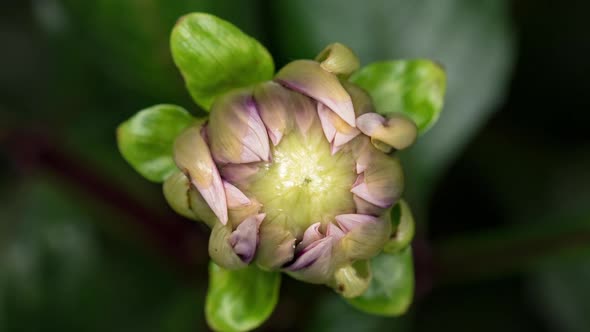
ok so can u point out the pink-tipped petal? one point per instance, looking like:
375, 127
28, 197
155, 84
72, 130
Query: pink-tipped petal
235, 197
277, 106
314, 264
309, 78
334, 231
193, 158
244, 239
383, 181
337, 131
362, 191
311, 234
369, 123
348, 222
364, 207
327, 125
236, 131
365, 235
362, 151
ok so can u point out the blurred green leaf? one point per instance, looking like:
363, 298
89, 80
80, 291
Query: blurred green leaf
391, 290
240, 300
214, 56
415, 88
403, 225
562, 293
129, 40
146, 140
59, 268
473, 40
332, 314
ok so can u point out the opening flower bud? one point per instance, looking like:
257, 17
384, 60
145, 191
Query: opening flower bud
290, 176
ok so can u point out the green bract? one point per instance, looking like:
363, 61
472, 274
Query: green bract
222, 58
413, 87
240, 300
146, 139
392, 288
295, 172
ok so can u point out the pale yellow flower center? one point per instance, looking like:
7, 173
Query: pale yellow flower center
304, 183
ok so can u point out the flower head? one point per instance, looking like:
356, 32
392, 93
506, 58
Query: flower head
296, 174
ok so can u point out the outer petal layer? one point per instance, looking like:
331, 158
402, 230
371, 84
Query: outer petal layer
193, 158
382, 182
309, 78
236, 131
398, 131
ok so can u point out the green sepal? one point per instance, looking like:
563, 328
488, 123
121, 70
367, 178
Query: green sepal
415, 88
147, 138
403, 228
240, 300
391, 290
214, 56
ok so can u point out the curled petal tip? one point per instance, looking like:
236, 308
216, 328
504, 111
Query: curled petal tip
309, 78
311, 234
193, 157
244, 239
338, 59
396, 132
235, 197
313, 254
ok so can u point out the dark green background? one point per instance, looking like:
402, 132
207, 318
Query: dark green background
500, 187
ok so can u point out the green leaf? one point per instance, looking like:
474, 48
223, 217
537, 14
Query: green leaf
240, 300
403, 225
214, 57
392, 287
413, 87
147, 138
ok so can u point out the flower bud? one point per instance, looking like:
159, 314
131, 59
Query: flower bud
295, 174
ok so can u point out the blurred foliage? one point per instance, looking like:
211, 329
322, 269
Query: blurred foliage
76, 69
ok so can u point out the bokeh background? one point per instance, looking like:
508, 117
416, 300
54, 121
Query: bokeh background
500, 187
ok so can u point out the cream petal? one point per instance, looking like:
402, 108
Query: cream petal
176, 190
352, 280
276, 247
365, 235
235, 197
193, 158
364, 207
361, 151
236, 131
338, 59
361, 100
397, 132
309, 78
383, 181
